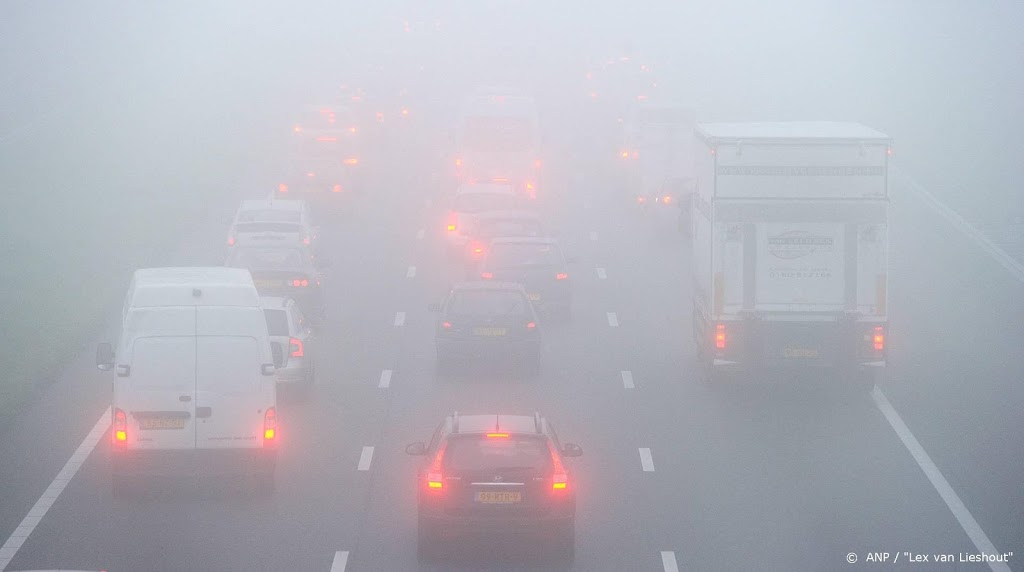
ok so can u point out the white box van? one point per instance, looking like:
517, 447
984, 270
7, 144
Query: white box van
195, 390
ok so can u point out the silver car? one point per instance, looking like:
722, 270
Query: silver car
291, 334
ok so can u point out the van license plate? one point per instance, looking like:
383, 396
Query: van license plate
503, 497
148, 423
800, 353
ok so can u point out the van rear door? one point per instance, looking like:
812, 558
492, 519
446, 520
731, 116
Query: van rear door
232, 395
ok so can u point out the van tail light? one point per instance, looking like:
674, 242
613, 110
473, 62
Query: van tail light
720, 338
878, 339
296, 347
270, 427
487, 275
561, 276
435, 479
559, 477
119, 430
300, 282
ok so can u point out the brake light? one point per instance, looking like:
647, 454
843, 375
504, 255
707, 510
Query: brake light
270, 426
231, 241
487, 275
878, 339
561, 276
336, 188
641, 200
560, 477
446, 325
531, 325
458, 162
296, 347
351, 161
497, 435
297, 129
667, 199
720, 336
380, 116
435, 480
625, 154
300, 282
305, 240
282, 188
352, 129
119, 431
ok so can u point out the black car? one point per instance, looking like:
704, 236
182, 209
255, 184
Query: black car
286, 272
536, 263
488, 320
496, 475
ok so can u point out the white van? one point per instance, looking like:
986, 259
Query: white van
195, 390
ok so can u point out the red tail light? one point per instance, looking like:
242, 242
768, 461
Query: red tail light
336, 188
561, 276
560, 477
537, 164
351, 161
305, 240
446, 325
458, 162
310, 174
531, 325
119, 429
231, 241
435, 480
296, 347
720, 336
300, 282
282, 188
878, 338
641, 200
667, 199
487, 275
270, 427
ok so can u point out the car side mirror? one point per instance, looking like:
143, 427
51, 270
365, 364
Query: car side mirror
417, 448
277, 350
105, 357
434, 307
572, 450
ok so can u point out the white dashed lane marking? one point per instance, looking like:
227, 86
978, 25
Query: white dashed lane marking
668, 561
646, 461
400, 319
593, 235
340, 561
602, 274
385, 379
627, 379
365, 458
613, 320
411, 272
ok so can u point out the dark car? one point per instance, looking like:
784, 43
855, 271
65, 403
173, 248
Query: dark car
490, 225
488, 320
499, 475
286, 272
536, 263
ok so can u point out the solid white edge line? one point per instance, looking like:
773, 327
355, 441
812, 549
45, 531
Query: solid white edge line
1011, 265
400, 319
627, 379
411, 272
340, 561
365, 458
668, 561
613, 320
646, 460
953, 502
49, 496
602, 274
385, 379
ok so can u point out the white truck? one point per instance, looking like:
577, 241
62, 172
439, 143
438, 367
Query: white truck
657, 156
789, 257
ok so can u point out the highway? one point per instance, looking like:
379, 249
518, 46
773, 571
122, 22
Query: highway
676, 475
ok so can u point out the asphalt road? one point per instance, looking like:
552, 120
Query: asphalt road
761, 478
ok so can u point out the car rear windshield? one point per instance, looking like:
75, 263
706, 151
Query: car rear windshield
277, 322
523, 253
269, 227
269, 215
487, 303
482, 453
479, 202
267, 258
494, 228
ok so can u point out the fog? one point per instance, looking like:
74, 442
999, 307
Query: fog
130, 132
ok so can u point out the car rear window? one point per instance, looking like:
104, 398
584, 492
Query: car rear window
482, 453
277, 322
269, 215
479, 202
269, 227
520, 253
509, 227
487, 303
267, 258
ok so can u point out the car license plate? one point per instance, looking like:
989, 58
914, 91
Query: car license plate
267, 283
499, 497
535, 297
800, 353
148, 423
490, 331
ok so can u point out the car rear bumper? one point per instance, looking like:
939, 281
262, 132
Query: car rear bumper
296, 372
484, 347
444, 526
189, 462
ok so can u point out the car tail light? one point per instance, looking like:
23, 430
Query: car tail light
636, 154
451, 227
311, 174
119, 429
350, 161
435, 480
352, 129
305, 240
476, 249
458, 162
487, 275
561, 276
641, 200
282, 188
300, 282
531, 325
405, 112
297, 129
666, 199
336, 188
380, 116
497, 435
559, 477
537, 163
878, 339
625, 154
296, 347
231, 241
270, 427
720, 339
446, 325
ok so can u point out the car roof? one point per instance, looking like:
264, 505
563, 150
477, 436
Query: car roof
507, 214
489, 423
525, 240
273, 204
485, 188
196, 286
487, 285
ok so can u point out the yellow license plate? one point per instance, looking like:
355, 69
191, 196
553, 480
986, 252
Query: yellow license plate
534, 297
800, 353
499, 497
490, 331
147, 423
